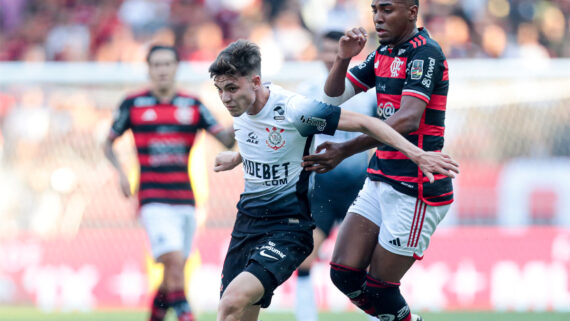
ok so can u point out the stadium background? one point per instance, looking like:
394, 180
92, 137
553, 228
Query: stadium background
69, 242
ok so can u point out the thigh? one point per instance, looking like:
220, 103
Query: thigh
388, 266
276, 257
236, 259
189, 213
246, 288
356, 240
281, 252
165, 228
408, 223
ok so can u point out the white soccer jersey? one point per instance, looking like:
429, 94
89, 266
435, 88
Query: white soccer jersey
272, 144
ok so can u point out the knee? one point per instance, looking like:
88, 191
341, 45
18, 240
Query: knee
348, 280
231, 304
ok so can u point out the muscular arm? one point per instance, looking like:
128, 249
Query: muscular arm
405, 121
429, 162
350, 45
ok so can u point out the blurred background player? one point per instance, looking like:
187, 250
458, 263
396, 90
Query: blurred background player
330, 193
164, 123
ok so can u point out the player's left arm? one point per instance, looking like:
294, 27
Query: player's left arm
226, 137
223, 135
429, 162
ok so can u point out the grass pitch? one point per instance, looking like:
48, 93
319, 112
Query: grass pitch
32, 314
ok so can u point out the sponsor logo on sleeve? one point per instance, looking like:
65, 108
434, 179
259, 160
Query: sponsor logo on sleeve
429, 74
315, 121
417, 69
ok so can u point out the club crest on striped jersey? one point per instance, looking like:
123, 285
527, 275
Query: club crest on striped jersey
149, 115
395, 66
183, 115
275, 139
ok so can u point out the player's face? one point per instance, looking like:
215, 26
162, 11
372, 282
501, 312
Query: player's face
162, 68
393, 20
237, 93
329, 50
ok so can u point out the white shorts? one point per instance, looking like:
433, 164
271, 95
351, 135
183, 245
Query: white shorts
170, 228
406, 223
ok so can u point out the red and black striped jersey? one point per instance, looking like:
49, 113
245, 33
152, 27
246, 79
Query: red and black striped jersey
415, 68
164, 134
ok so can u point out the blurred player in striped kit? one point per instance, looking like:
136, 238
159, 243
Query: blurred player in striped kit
164, 123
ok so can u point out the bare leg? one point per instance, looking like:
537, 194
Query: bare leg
355, 242
237, 301
387, 266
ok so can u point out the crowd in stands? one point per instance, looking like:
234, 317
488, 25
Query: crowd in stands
54, 176
120, 31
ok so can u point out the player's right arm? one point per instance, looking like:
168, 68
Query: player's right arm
337, 88
121, 123
226, 161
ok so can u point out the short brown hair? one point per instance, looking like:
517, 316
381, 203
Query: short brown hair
240, 58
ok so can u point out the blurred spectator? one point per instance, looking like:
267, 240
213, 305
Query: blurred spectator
71, 30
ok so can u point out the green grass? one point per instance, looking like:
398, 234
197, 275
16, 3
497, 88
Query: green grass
31, 314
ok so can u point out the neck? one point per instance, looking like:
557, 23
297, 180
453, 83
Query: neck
261, 98
413, 30
164, 95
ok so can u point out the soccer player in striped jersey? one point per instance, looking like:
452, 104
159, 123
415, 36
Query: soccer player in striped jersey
274, 128
398, 209
164, 123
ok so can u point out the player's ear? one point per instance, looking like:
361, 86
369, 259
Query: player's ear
413, 13
256, 80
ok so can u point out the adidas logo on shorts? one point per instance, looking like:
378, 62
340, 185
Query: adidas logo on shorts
395, 241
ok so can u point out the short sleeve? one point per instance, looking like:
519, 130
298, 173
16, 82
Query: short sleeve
121, 119
363, 75
310, 116
425, 70
207, 120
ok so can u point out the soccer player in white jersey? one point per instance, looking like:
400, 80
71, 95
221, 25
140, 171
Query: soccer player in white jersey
330, 194
274, 128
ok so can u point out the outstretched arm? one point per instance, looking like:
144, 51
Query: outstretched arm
405, 121
429, 162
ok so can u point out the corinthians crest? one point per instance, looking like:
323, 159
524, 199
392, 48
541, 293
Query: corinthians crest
274, 139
